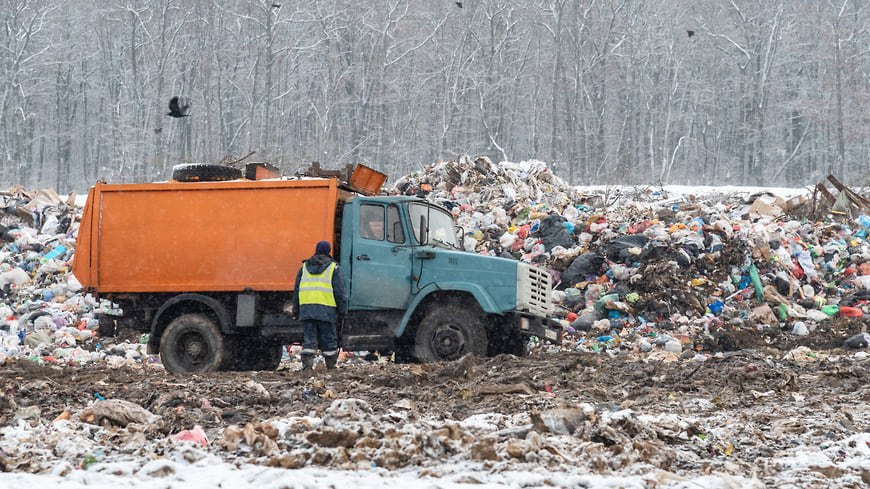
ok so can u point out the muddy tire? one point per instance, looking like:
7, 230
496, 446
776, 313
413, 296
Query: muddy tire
198, 172
448, 332
192, 343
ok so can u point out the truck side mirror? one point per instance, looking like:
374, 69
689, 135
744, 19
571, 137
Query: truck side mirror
424, 231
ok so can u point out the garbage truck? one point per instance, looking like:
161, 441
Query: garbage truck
206, 265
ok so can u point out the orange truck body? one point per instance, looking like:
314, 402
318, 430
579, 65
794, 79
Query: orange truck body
206, 236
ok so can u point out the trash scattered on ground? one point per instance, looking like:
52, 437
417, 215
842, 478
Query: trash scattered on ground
754, 418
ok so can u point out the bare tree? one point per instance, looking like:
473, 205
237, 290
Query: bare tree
604, 90
24, 44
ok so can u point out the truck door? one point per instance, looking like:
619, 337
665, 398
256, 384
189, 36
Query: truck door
381, 259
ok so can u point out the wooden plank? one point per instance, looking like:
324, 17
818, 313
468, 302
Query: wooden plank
829, 198
851, 194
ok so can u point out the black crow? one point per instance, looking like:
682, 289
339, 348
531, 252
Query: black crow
175, 110
459, 4
690, 33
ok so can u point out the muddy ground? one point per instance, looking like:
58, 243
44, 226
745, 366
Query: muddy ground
739, 411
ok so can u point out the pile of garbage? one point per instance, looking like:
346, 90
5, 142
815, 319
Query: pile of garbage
645, 271
641, 270
44, 315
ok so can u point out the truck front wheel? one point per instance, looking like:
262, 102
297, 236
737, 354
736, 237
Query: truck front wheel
448, 332
192, 343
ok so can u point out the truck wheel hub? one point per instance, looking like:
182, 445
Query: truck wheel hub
447, 342
194, 348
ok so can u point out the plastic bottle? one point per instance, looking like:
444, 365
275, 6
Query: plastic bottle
805, 260
782, 312
756, 282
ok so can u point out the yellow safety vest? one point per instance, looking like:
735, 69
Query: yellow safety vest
317, 288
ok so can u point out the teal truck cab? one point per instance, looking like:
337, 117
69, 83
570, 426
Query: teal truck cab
413, 289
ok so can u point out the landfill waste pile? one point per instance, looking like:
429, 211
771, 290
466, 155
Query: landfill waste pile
714, 339
646, 271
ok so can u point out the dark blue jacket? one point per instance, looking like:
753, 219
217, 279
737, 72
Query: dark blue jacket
317, 264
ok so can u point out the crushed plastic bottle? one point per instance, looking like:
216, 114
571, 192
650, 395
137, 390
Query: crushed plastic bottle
800, 329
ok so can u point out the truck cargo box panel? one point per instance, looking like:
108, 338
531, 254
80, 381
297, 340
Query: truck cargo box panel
215, 236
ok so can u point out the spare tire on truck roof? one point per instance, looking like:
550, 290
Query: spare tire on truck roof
201, 172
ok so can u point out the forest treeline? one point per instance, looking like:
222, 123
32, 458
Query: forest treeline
706, 92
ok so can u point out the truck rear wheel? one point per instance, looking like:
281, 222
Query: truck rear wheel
199, 172
448, 332
192, 343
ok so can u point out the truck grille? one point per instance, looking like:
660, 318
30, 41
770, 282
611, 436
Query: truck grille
534, 290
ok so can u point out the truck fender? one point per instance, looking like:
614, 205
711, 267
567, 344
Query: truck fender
214, 305
480, 295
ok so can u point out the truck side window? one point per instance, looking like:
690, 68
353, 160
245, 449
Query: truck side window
395, 233
371, 221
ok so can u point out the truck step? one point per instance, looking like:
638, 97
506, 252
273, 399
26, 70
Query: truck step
366, 343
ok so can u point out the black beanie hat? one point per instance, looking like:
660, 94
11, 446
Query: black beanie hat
322, 248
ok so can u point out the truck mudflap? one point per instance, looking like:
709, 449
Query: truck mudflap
545, 328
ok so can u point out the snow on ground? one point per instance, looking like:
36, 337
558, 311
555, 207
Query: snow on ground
193, 469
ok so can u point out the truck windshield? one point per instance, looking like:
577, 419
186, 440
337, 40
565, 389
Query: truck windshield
440, 224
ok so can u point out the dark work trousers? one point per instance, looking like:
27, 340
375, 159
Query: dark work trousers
322, 334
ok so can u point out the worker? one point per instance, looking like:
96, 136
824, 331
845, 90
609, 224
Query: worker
371, 218
319, 302
373, 229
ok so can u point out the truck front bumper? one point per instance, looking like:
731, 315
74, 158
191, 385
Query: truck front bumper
545, 328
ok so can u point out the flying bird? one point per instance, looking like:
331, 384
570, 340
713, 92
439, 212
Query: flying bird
459, 4
690, 33
176, 110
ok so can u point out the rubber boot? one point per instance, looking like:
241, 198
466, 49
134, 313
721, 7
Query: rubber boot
307, 362
330, 361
